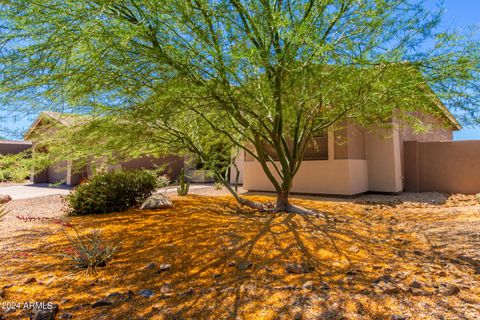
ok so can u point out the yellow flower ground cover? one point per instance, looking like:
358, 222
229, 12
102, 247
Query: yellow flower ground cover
210, 243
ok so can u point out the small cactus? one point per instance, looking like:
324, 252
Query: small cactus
183, 187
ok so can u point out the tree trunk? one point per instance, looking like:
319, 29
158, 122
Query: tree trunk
282, 204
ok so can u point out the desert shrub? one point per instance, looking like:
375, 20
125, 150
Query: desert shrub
5, 175
478, 197
163, 181
16, 167
218, 185
89, 251
183, 186
111, 192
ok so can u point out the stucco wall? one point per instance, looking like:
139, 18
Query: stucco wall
171, 164
57, 172
448, 166
384, 160
342, 177
239, 161
13, 147
332, 176
349, 142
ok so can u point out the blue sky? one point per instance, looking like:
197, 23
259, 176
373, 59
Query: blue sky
458, 14
461, 13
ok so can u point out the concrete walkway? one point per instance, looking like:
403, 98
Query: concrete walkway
28, 191
193, 186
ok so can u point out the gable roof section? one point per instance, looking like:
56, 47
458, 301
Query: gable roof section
64, 119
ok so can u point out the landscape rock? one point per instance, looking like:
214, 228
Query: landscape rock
402, 275
3, 293
352, 272
308, 285
151, 266
324, 286
419, 292
114, 296
298, 268
147, 293
384, 278
448, 289
30, 280
44, 314
164, 267
398, 317
244, 265
390, 288
4, 198
102, 303
166, 289
157, 201
354, 249
416, 284
66, 316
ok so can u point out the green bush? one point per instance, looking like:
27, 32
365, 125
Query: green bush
112, 192
163, 181
5, 175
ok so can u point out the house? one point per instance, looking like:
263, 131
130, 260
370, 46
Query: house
67, 172
13, 146
350, 160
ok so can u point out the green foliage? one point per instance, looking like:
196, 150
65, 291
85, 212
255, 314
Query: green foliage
3, 210
217, 185
478, 197
163, 181
183, 186
112, 192
15, 167
89, 251
167, 75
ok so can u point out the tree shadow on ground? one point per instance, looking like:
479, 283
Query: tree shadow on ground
230, 263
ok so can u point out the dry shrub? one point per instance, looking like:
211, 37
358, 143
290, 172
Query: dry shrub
89, 251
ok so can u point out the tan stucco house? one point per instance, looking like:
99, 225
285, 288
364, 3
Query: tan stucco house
66, 172
350, 160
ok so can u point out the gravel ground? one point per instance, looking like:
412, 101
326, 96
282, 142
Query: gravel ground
26, 214
449, 223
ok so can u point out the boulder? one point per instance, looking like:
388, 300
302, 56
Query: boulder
157, 201
4, 198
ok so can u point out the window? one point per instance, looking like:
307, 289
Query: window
317, 149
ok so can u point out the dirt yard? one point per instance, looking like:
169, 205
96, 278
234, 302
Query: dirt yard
413, 256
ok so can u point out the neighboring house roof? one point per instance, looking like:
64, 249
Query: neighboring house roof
21, 142
13, 146
65, 119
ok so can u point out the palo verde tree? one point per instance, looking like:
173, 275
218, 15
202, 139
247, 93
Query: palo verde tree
263, 75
